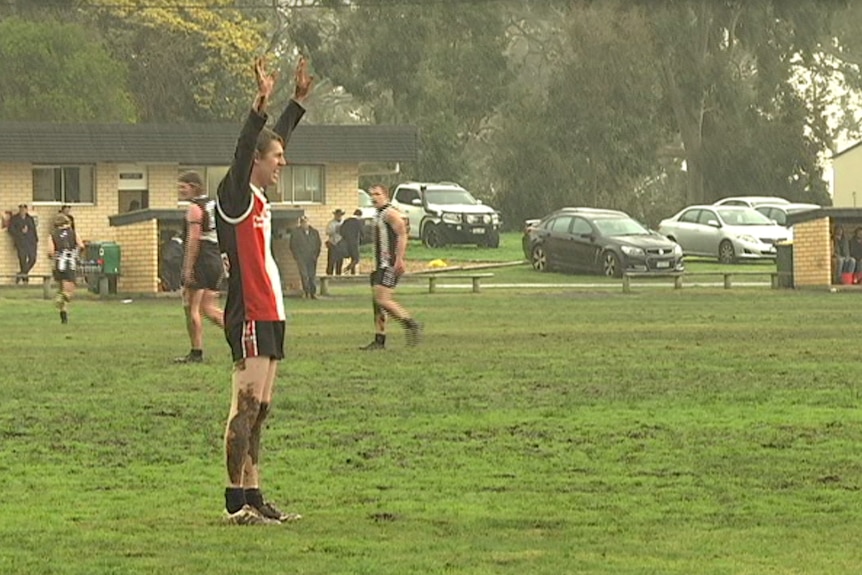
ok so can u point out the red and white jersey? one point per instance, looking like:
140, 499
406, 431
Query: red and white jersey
254, 282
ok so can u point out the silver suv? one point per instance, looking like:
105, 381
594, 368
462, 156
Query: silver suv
445, 213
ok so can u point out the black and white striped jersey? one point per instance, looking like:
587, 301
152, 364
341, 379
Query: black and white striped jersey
65, 249
385, 238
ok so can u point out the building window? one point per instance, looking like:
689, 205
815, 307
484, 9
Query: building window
64, 184
297, 184
301, 185
212, 176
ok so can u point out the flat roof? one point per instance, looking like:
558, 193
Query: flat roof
849, 215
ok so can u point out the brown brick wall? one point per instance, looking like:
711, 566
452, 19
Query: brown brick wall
139, 257
812, 254
140, 254
91, 220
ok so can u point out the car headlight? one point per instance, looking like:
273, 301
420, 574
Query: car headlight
495, 218
749, 239
632, 251
677, 250
450, 218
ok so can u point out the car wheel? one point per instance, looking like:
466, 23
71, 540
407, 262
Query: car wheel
726, 253
432, 236
492, 240
539, 259
611, 266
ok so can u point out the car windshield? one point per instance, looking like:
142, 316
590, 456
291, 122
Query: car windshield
450, 197
739, 217
365, 200
620, 227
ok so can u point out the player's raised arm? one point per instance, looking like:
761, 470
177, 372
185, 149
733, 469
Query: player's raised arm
294, 111
234, 193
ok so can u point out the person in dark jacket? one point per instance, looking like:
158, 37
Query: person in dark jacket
844, 262
856, 251
172, 263
351, 235
22, 227
305, 247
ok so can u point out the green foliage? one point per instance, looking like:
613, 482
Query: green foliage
189, 62
55, 71
730, 72
440, 67
701, 431
594, 135
741, 92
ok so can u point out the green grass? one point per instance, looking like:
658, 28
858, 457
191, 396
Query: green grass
534, 431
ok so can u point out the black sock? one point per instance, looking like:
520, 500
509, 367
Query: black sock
196, 352
380, 338
409, 323
254, 498
64, 317
234, 499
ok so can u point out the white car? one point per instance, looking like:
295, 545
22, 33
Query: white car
750, 201
729, 233
778, 212
445, 213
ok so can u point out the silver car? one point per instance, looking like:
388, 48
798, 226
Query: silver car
750, 201
729, 233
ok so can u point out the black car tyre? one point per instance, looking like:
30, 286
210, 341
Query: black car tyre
539, 259
611, 266
726, 253
492, 240
432, 237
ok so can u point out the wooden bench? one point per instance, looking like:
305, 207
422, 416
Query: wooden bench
678, 276
324, 281
47, 282
476, 279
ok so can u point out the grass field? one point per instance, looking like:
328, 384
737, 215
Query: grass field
699, 431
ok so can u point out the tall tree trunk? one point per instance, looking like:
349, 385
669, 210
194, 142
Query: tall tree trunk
688, 108
690, 124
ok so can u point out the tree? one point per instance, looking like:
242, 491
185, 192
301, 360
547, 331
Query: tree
439, 66
55, 71
188, 62
728, 71
592, 136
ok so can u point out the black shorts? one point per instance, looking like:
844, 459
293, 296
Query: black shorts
385, 277
64, 276
208, 271
256, 339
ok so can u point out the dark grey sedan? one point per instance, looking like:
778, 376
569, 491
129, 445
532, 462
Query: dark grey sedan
606, 242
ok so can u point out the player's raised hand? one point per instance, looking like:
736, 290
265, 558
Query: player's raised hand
265, 83
265, 80
302, 80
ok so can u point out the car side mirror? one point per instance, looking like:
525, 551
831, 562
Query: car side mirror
713, 223
479, 202
416, 202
